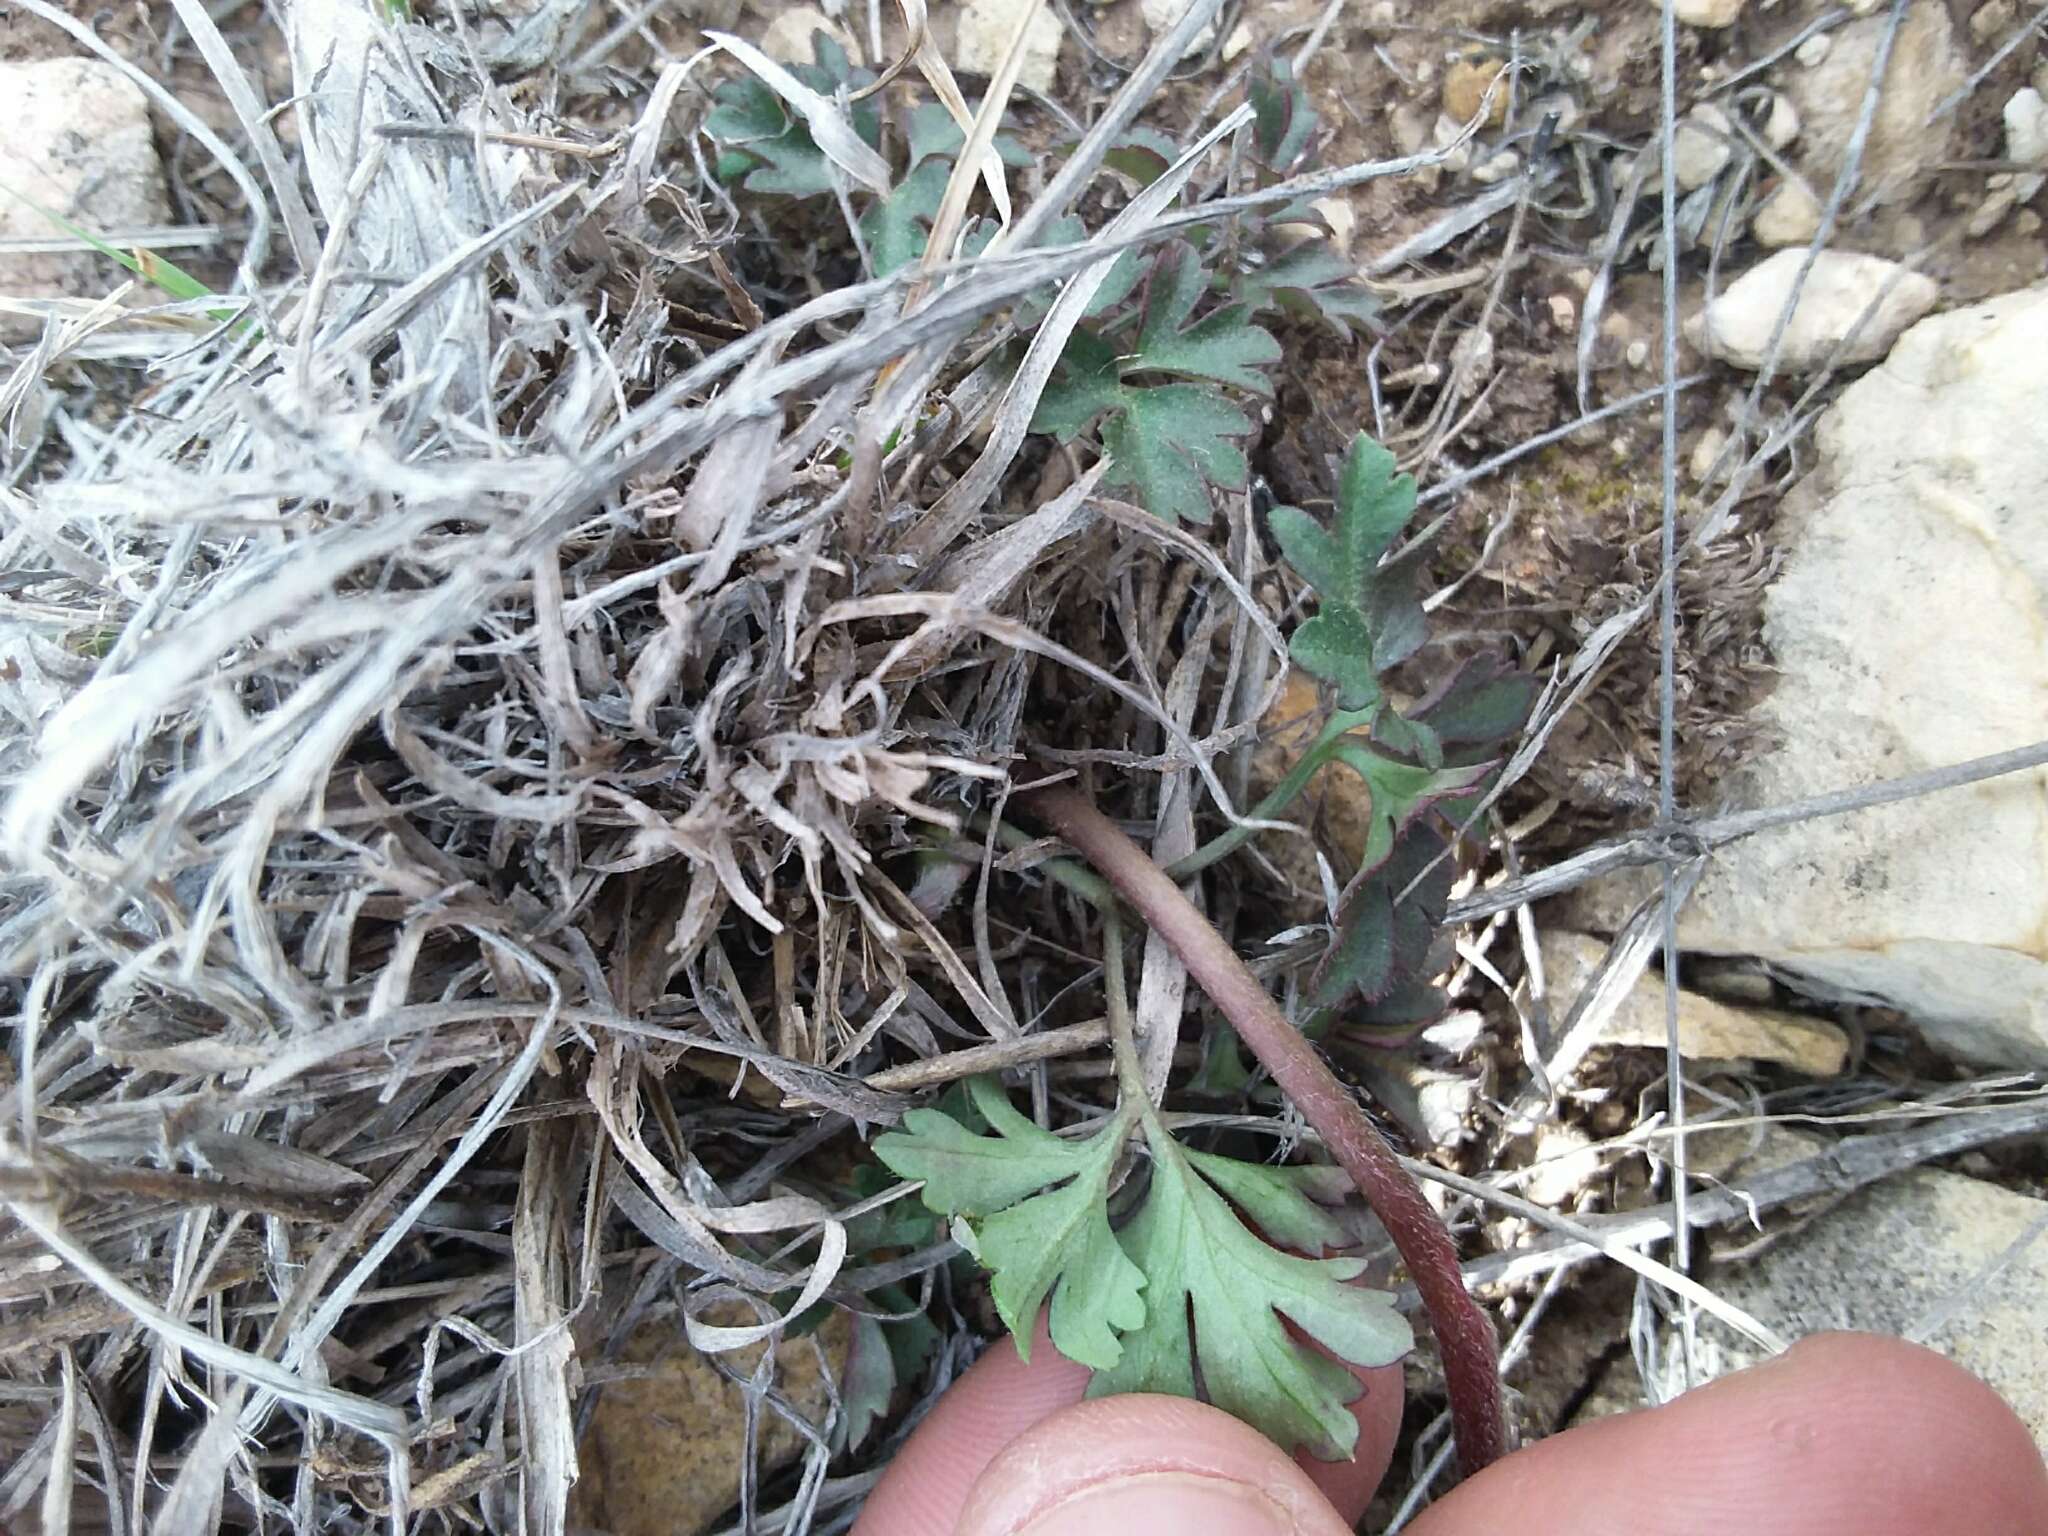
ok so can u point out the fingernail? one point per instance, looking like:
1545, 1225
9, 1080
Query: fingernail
1165, 1501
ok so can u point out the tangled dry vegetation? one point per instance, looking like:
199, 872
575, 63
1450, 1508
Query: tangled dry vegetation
528, 704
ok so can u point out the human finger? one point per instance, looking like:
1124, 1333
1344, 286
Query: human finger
1001, 1398
1844, 1435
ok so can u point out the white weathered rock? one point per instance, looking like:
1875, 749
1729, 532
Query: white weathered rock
1705, 13
2026, 143
2026, 139
1162, 14
1907, 623
1904, 147
1907, 1257
75, 141
985, 28
1707, 1030
1701, 146
1738, 325
1789, 216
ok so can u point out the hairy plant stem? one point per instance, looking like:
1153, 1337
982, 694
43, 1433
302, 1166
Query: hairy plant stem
1465, 1336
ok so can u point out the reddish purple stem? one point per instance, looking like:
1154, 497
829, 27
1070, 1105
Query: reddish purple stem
1464, 1334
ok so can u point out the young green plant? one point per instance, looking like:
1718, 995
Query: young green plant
1184, 1281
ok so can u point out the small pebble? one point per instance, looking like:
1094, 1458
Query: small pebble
1781, 125
1814, 49
1705, 451
1563, 313
788, 38
1993, 20
1789, 216
1497, 167
1702, 147
1705, 13
1639, 354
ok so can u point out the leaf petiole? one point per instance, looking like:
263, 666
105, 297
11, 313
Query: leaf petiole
1320, 751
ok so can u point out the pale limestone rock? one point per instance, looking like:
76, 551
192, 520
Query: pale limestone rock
1160, 15
2026, 139
75, 140
1922, 1255
1790, 216
1909, 627
985, 28
1707, 1030
1738, 325
1705, 452
1991, 21
1904, 147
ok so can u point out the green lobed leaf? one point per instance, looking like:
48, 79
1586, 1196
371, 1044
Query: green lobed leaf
1312, 279
1169, 442
933, 132
1038, 1209
867, 1380
1122, 281
1381, 946
1368, 617
1282, 115
1191, 1293
1223, 347
897, 227
1484, 703
743, 111
769, 149
1216, 1293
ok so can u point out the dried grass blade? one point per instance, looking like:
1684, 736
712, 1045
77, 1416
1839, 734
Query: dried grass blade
830, 128
968, 167
938, 75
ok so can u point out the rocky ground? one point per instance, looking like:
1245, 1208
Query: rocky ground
1863, 501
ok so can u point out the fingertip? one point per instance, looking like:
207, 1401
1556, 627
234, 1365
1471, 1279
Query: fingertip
1844, 1435
1117, 1465
994, 1401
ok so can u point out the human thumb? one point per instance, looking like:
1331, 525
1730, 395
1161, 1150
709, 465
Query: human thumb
1118, 1466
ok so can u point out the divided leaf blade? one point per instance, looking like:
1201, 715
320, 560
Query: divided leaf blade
1038, 1208
1203, 1262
